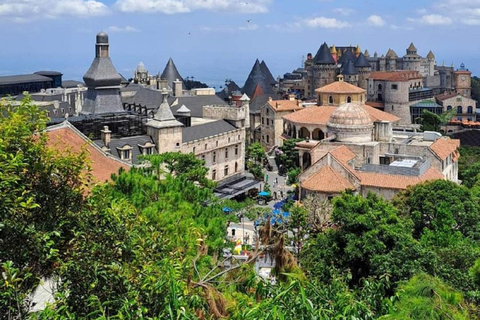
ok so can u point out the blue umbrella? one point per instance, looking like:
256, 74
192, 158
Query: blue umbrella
276, 212
272, 221
264, 194
226, 209
286, 214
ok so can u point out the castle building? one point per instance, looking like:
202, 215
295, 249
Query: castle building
350, 145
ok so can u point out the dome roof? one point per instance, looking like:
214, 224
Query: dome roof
351, 123
102, 37
141, 68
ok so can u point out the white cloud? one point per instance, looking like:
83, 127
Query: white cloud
435, 19
182, 6
344, 11
122, 29
376, 21
28, 10
327, 23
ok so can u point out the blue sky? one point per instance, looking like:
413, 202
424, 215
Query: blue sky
217, 39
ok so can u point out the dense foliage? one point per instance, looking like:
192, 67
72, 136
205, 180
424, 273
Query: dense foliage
149, 245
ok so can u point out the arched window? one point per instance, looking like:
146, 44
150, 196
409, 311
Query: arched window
330, 99
214, 174
449, 108
379, 86
469, 110
349, 99
459, 109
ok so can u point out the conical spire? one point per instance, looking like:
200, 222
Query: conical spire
346, 56
411, 48
361, 61
164, 113
391, 54
324, 56
256, 77
430, 55
358, 50
349, 69
171, 74
268, 75
366, 54
333, 50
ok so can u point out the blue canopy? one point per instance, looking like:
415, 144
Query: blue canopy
276, 212
226, 209
264, 194
286, 214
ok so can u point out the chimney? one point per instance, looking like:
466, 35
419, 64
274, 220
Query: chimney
177, 88
270, 99
106, 136
291, 97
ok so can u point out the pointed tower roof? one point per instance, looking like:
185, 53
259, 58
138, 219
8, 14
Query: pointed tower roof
361, 61
430, 55
268, 75
164, 113
244, 98
170, 73
141, 68
391, 54
411, 47
183, 110
324, 56
349, 69
367, 54
102, 73
346, 56
358, 50
333, 50
255, 78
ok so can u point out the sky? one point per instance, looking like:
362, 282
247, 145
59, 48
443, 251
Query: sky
214, 40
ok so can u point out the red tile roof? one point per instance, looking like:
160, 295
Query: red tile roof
445, 146
379, 115
399, 76
285, 105
66, 137
340, 87
327, 180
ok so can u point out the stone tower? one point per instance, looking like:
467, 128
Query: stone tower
411, 61
364, 69
322, 71
164, 129
463, 81
103, 82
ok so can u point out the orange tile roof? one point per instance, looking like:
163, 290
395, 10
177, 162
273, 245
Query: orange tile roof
402, 75
375, 104
321, 115
379, 115
327, 180
445, 146
391, 181
311, 115
342, 154
340, 87
65, 137
285, 105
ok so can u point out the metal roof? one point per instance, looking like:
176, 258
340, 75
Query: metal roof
206, 130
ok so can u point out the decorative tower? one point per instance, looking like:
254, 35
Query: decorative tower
164, 129
103, 82
463, 81
411, 61
364, 69
322, 72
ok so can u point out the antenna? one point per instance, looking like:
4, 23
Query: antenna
303, 61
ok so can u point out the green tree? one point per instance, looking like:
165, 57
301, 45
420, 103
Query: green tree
433, 122
256, 152
426, 297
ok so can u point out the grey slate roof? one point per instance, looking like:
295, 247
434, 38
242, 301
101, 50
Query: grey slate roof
268, 75
23, 78
170, 73
228, 90
131, 141
102, 73
256, 77
323, 55
71, 83
206, 130
257, 103
194, 103
47, 73
164, 113
346, 56
349, 68
361, 61
145, 97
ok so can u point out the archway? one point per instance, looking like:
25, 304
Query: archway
318, 134
306, 160
304, 133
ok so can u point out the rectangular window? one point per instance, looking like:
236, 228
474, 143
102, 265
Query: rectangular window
214, 175
206, 146
193, 150
236, 150
268, 122
263, 120
394, 87
226, 153
214, 157
225, 173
